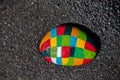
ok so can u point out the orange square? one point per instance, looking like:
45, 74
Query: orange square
75, 32
53, 42
64, 61
47, 36
78, 62
80, 43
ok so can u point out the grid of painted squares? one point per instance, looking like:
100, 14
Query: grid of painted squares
67, 45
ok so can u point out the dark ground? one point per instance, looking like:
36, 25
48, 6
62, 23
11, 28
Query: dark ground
24, 22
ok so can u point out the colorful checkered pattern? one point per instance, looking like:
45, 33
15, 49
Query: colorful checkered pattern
67, 45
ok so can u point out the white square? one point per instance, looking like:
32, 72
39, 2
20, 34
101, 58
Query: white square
54, 60
59, 51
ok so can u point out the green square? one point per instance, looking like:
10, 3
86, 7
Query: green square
82, 35
53, 52
89, 54
70, 61
65, 40
79, 53
59, 40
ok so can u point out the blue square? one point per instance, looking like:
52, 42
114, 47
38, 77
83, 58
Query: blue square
73, 41
59, 60
53, 32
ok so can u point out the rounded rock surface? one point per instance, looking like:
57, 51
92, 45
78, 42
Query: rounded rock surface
68, 46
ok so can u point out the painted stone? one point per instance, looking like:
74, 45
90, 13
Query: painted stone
68, 46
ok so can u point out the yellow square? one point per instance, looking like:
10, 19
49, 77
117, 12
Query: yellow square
47, 37
75, 32
78, 62
53, 42
64, 61
80, 43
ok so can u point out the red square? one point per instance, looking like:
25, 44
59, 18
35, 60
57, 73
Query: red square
65, 52
85, 61
61, 30
90, 47
48, 59
45, 45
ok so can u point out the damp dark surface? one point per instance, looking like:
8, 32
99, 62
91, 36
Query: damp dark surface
23, 23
